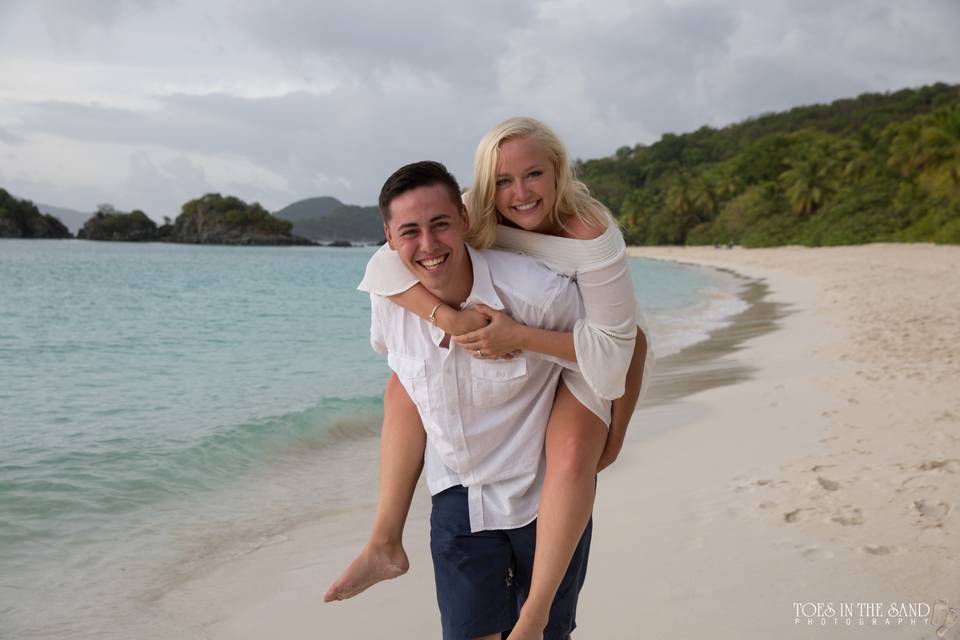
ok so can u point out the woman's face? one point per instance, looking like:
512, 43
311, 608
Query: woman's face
526, 185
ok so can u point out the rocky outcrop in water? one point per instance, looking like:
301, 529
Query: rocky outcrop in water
119, 227
216, 219
21, 219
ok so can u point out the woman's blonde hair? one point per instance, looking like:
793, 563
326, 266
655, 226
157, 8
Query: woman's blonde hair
573, 197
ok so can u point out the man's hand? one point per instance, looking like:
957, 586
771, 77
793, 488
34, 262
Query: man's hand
458, 322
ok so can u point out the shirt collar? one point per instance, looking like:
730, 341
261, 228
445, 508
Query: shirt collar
482, 291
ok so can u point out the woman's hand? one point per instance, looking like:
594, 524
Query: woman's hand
610, 450
502, 337
466, 320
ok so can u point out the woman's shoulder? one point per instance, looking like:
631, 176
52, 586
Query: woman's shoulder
566, 254
579, 229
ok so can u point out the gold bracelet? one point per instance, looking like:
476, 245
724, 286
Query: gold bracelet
433, 314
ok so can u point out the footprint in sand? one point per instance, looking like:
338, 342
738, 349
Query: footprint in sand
930, 510
753, 484
795, 515
829, 485
944, 616
815, 554
848, 517
950, 465
876, 549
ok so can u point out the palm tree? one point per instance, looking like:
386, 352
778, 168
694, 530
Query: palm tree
703, 196
679, 196
808, 181
941, 138
928, 148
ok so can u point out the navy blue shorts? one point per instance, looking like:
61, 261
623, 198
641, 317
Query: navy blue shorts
483, 578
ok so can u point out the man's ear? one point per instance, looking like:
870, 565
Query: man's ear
465, 217
386, 234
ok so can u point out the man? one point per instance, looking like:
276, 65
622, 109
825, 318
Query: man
485, 419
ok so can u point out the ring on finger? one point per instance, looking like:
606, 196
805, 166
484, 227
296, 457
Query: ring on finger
479, 353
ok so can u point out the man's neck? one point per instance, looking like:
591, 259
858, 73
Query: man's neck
461, 286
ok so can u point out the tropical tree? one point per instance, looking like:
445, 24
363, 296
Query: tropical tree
941, 137
808, 182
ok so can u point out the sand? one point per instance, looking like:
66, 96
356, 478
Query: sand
817, 471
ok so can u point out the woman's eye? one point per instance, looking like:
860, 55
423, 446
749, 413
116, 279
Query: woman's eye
502, 182
441, 225
535, 174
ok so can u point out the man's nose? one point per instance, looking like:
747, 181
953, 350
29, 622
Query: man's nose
428, 241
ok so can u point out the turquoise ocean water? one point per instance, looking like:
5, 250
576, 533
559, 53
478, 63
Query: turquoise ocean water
164, 406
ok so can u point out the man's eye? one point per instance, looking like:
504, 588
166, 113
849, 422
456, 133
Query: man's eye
408, 234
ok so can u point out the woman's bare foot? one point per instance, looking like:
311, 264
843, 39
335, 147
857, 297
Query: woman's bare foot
373, 565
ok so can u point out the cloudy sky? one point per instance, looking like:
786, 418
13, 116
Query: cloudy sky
148, 103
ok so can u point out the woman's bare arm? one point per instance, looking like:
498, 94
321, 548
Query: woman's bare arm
421, 302
504, 335
623, 407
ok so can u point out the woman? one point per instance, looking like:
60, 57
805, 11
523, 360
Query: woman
524, 198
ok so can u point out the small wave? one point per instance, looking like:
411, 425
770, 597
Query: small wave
677, 329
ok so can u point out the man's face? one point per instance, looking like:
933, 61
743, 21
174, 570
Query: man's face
427, 230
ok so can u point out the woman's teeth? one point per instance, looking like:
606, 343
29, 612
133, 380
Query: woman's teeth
526, 207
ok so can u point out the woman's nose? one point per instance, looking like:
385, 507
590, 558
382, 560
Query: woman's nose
519, 190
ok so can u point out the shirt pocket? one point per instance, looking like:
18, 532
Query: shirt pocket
412, 373
496, 381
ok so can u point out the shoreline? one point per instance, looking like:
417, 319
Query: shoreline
758, 494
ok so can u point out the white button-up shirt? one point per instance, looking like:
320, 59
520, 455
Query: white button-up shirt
485, 419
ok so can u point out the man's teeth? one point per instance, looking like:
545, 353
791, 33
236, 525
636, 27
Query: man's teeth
432, 262
526, 207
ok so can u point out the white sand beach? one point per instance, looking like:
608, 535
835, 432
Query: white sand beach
830, 474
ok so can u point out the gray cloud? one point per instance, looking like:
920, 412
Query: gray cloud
327, 98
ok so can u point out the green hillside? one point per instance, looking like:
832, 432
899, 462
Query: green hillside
879, 167
318, 219
309, 209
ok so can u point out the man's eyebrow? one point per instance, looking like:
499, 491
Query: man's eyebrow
415, 225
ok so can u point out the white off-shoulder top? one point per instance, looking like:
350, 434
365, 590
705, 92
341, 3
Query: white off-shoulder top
603, 339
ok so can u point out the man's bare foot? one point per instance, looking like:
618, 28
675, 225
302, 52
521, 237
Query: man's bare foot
373, 565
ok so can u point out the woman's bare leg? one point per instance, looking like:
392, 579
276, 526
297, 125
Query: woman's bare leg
574, 441
402, 442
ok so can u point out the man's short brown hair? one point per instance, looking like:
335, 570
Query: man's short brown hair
425, 173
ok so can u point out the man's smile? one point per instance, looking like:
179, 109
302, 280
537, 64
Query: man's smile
432, 264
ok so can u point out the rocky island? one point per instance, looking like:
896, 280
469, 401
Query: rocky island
22, 219
109, 224
216, 219
211, 219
